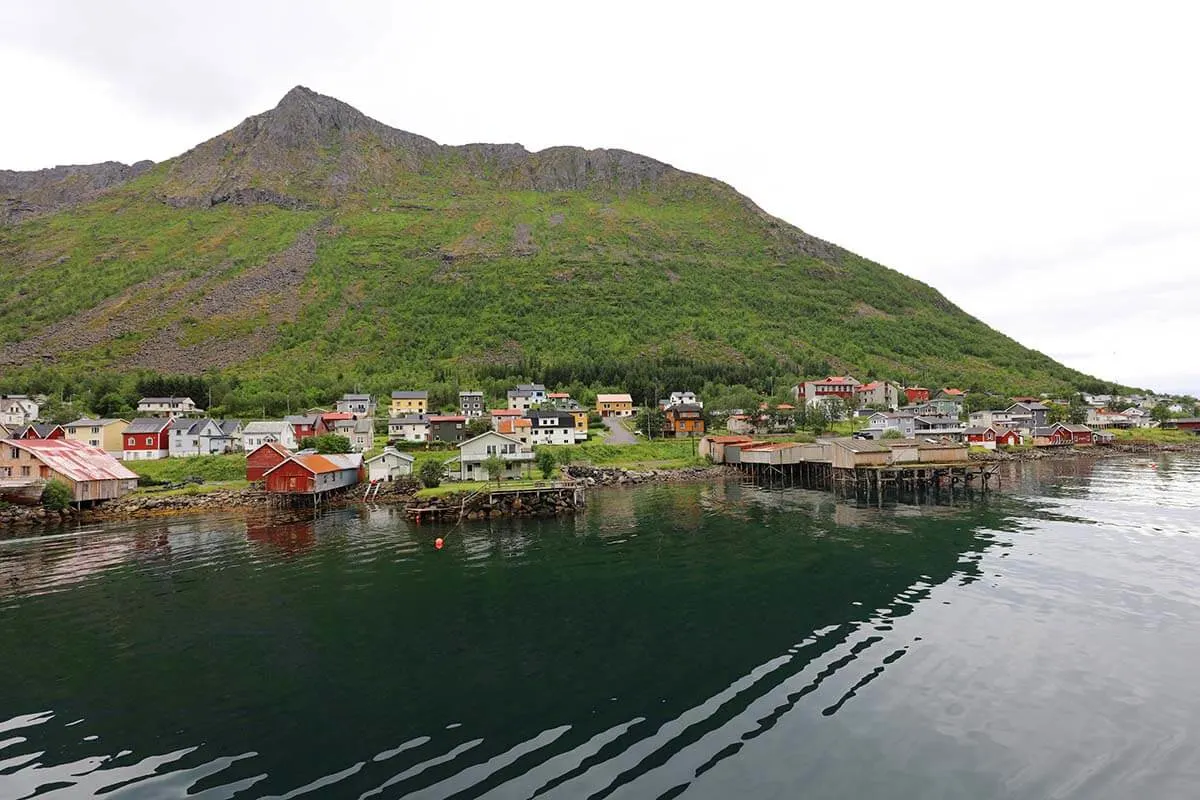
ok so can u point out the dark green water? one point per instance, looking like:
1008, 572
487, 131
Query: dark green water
708, 641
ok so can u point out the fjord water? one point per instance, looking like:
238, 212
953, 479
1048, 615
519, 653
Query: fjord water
709, 641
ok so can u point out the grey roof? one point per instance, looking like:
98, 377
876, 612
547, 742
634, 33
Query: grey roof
412, 419
562, 417
1043, 431
264, 426
165, 400
147, 425
91, 423
1028, 406
302, 419
422, 395
1074, 428
470, 393
230, 426
861, 445
183, 424
530, 387
976, 430
349, 396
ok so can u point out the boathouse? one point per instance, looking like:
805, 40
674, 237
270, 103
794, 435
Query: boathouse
855, 453
91, 473
389, 465
265, 458
713, 447
314, 474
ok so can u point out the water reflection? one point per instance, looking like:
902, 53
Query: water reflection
713, 640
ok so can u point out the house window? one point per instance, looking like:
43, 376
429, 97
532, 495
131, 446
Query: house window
95, 430
132, 441
14, 452
149, 441
25, 471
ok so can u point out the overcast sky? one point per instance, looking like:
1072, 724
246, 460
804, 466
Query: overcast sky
1036, 162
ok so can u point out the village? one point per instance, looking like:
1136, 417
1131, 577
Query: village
868, 434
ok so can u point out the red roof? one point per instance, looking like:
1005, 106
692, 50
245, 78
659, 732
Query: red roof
836, 379
869, 387
336, 415
953, 392
451, 418
75, 460
558, 395
276, 446
506, 412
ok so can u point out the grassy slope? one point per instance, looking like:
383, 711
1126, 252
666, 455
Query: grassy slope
419, 282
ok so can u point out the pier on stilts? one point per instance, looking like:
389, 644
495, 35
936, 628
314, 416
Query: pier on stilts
541, 499
863, 469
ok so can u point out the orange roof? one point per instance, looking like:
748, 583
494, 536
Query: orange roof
558, 395
869, 387
835, 379
729, 439
521, 423
506, 412
336, 415
448, 418
505, 426
953, 391
786, 407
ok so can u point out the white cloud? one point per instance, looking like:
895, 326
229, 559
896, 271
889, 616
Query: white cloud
1027, 159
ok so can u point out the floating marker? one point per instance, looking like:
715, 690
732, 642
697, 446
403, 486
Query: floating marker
438, 543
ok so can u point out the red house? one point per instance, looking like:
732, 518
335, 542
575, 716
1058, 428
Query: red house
916, 394
265, 458
1185, 424
1007, 438
1075, 434
40, 431
146, 438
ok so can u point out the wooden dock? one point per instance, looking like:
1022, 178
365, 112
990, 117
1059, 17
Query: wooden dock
541, 498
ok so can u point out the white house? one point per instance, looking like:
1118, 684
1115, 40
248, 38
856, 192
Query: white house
258, 433
200, 437
526, 396
166, 406
414, 428
360, 432
881, 422
468, 465
18, 409
389, 465
360, 405
550, 427
679, 399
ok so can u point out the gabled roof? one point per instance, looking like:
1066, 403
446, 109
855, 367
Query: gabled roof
84, 422
975, 430
75, 460
354, 398
953, 392
506, 412
411, 419
531, 387
486, 434
302, 419
276, 446
1028, 407
161, 400
389, 451
265, 426
447, 418
40, 429
319, 464
148, 425
1073, 428
415, 395
840, 380
614, 398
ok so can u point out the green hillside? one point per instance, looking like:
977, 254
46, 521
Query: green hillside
312, 250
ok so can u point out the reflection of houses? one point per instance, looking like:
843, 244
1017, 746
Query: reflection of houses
91, 473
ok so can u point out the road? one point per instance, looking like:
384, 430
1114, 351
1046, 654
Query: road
617, 434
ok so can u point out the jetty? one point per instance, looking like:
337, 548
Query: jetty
857, 466
544, 498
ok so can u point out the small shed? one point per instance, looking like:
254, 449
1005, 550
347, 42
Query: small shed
713, 447
265, 458
389, 465
854, 453
942, 452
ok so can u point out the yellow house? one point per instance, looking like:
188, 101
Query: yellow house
107, 434
408, 404
614, 405
580, 416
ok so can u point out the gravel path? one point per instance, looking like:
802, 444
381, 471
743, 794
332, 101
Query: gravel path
617, 434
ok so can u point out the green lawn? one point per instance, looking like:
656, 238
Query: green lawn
231, 467
462, 487
1155, 436
204, 488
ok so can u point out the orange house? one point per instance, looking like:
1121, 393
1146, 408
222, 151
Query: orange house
684, 420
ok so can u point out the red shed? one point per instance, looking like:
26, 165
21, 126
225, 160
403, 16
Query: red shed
265, 458
310, 473
1075, 434
916, 394
1007, 438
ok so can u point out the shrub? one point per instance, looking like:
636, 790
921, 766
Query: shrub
546, 461
430, 474
56, 496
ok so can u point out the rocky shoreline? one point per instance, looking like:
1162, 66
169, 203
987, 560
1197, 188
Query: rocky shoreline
1087, 451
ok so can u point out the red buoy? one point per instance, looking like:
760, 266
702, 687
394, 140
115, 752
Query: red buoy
438, 543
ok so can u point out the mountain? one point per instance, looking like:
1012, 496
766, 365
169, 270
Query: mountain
312, 249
